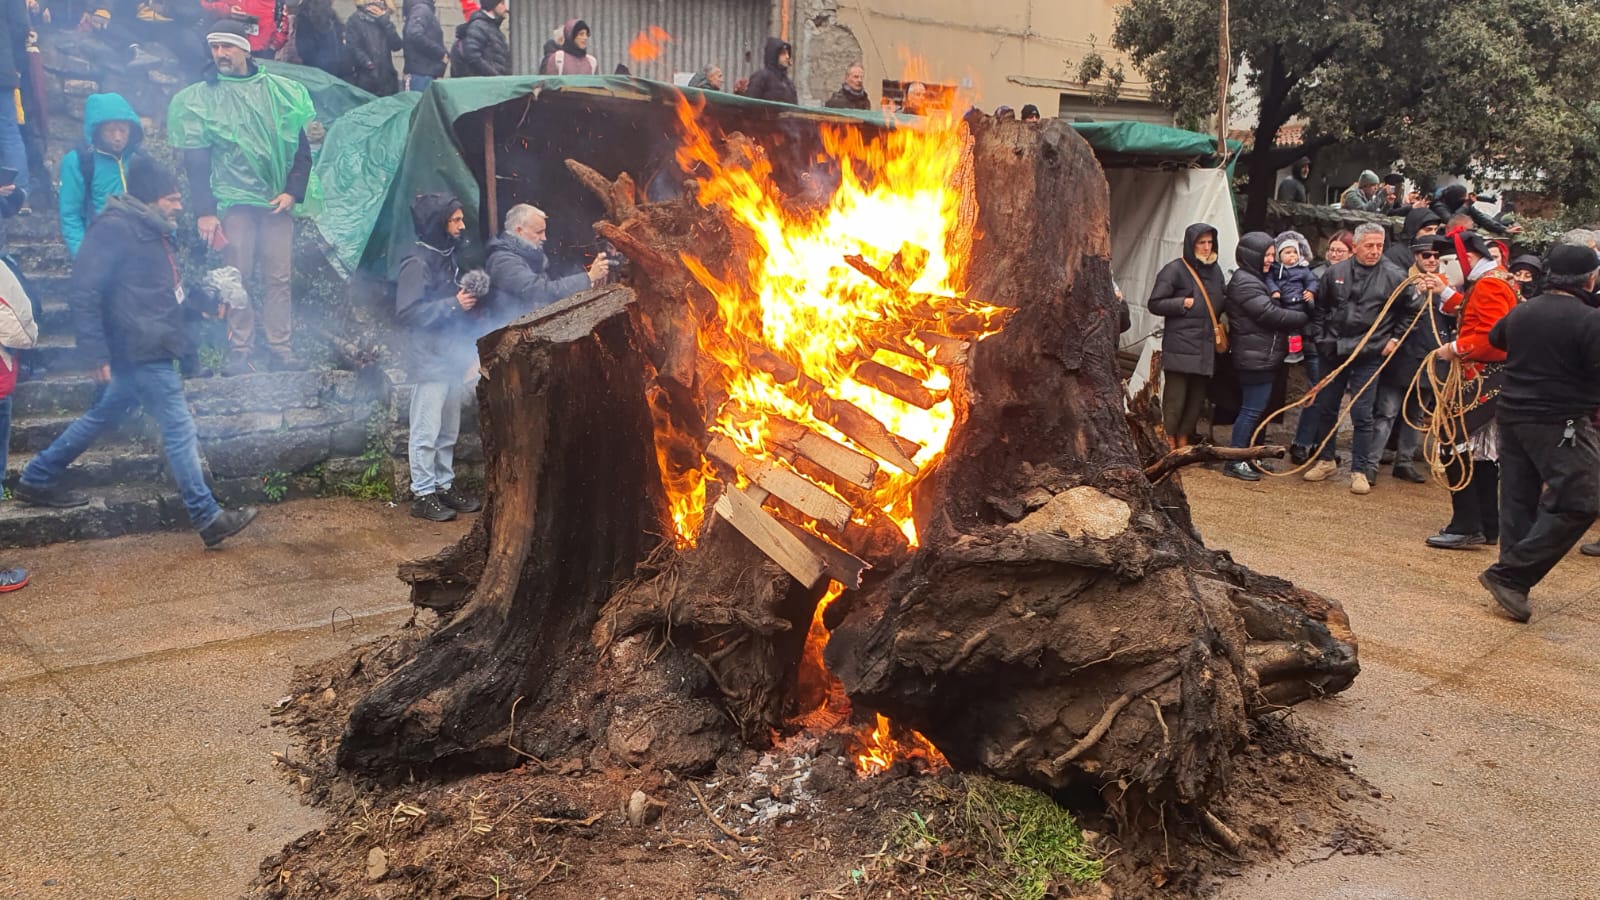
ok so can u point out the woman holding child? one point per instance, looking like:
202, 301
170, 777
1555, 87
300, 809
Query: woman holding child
1268, 302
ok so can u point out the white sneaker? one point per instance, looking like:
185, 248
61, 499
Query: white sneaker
1359, 483
1321, 470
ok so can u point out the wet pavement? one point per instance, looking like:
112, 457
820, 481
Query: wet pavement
1482, 731
136, 676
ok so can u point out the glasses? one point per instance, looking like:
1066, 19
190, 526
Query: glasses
1427, 254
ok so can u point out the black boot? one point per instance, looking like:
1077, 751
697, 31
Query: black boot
227, 524
1446, 540
432, 508
1298, 454
1590, 549
458, 501
51, 495
1407, 472
1513, 601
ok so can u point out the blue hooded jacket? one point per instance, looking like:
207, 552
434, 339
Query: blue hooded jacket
109, 171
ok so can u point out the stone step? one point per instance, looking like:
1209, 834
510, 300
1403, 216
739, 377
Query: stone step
58, 353
112, 512
55, 317
53, 395
100, 468
47, 286
34, 433
44, 257
61, 393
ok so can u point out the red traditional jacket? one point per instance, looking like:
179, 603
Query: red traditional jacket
1477, 311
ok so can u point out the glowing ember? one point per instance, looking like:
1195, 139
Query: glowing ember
904, 207
647, 44
879, 749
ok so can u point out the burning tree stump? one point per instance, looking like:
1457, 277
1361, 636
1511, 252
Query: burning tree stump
1057, 621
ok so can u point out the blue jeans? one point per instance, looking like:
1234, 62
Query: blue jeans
1309, 432
1255, 389
13, 152
418, 83
435, 425
157, 387
1363, 452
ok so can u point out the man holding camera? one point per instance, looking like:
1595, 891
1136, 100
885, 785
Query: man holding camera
518, 268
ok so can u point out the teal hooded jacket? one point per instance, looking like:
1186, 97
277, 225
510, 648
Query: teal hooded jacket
109, 170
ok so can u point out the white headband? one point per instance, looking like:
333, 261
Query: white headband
228, 37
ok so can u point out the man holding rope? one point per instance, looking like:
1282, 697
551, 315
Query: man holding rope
1355, 328
1549, 446
1471, 458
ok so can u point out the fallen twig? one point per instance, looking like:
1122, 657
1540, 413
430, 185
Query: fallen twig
1221, 831
1204, 453
721, 825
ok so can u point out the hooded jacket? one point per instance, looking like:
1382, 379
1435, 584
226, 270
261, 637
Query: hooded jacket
440, 332
424, 40
569, 58
18, 330
1258, 326
372, 41
521, 285
771, 81
1291, 283
319, 39
1188, 341
108, 170
484, 50
1399, 251
845, 98
1349, 300
124, 295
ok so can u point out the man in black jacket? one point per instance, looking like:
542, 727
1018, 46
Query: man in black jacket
1349, 304
442, 320
853, 93
483, 46
1549, 448
517, 269
131, 318
771, 81
372, 40
13, 59
425, 53
1292, 189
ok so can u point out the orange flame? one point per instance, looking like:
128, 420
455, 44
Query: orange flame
904, 203
647, 44
879, 749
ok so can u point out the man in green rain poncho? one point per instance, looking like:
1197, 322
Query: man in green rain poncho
242, 133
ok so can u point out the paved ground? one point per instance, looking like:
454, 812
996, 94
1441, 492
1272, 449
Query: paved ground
136, 673
135, 679
1482, 730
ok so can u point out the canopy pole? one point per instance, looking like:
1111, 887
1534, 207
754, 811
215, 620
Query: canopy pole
489, 173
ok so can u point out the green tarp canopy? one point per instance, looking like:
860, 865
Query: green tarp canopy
332, 97
1142, 139
378, 157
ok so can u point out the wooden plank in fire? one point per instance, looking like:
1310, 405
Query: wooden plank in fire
896, 384
856, 468
790, 487
837, 563
852, 421
947, 350
770, 536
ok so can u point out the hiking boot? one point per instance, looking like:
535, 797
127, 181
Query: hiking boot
1408, 472
1321, 470
1299, 455
1446, 540
228, 523
430, 507
238, 364
1590, 549
1242, 471
286, 362
13, 580
1513, 601
454, 499
1359, 483
51, 495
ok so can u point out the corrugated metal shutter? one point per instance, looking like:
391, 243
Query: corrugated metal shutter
729, 33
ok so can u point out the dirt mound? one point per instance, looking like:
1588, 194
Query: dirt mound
793, 821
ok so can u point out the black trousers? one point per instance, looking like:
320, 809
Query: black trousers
1475, 508
1538, 527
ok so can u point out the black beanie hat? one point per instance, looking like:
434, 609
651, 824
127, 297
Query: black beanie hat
1530, 262
149, 181
1571, 259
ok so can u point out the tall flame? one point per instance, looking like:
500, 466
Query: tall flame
647, 44
904, 204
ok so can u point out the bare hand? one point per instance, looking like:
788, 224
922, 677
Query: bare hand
210, 228
7, 190
1389, 348
281, 203
1515, 229
467, 301
1188, 303
1308, 296
103, 374
599, 269
1448, 352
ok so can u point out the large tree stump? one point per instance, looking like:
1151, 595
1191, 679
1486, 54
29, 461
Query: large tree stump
1060, 622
